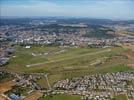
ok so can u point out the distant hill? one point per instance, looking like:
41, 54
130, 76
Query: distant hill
22, 21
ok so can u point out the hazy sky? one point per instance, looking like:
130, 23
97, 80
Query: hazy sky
113, 9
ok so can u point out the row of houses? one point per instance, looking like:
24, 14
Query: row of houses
99, 87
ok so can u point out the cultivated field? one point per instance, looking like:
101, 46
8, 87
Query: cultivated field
34, 96
2, 97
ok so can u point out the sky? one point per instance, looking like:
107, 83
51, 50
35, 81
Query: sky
109, 9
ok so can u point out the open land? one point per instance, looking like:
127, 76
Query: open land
128, 46
4, 87
61, 97
2, 97
34, 96
121, 97
67, 62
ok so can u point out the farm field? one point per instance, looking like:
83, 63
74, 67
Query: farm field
67, 62
34, 96
6, 86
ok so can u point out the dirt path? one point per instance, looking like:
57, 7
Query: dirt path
48, 82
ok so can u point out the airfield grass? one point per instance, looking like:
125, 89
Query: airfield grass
74, 97
71, 62
42, 82
121, 97
23, 56
61, 97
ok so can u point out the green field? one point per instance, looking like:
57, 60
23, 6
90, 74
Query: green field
121, 97
61, 97
71, 58
67, 62
73, 97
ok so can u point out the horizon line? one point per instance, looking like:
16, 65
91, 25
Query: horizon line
75, 17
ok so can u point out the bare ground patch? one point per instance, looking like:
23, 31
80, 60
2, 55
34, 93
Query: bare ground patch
6, 86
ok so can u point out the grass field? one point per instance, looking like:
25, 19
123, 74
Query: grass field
71, 57
61, 97
68, 97
121, 97
67, 62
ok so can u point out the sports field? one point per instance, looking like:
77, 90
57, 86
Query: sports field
67, 62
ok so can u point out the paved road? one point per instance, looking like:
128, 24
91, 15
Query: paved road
53, 61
